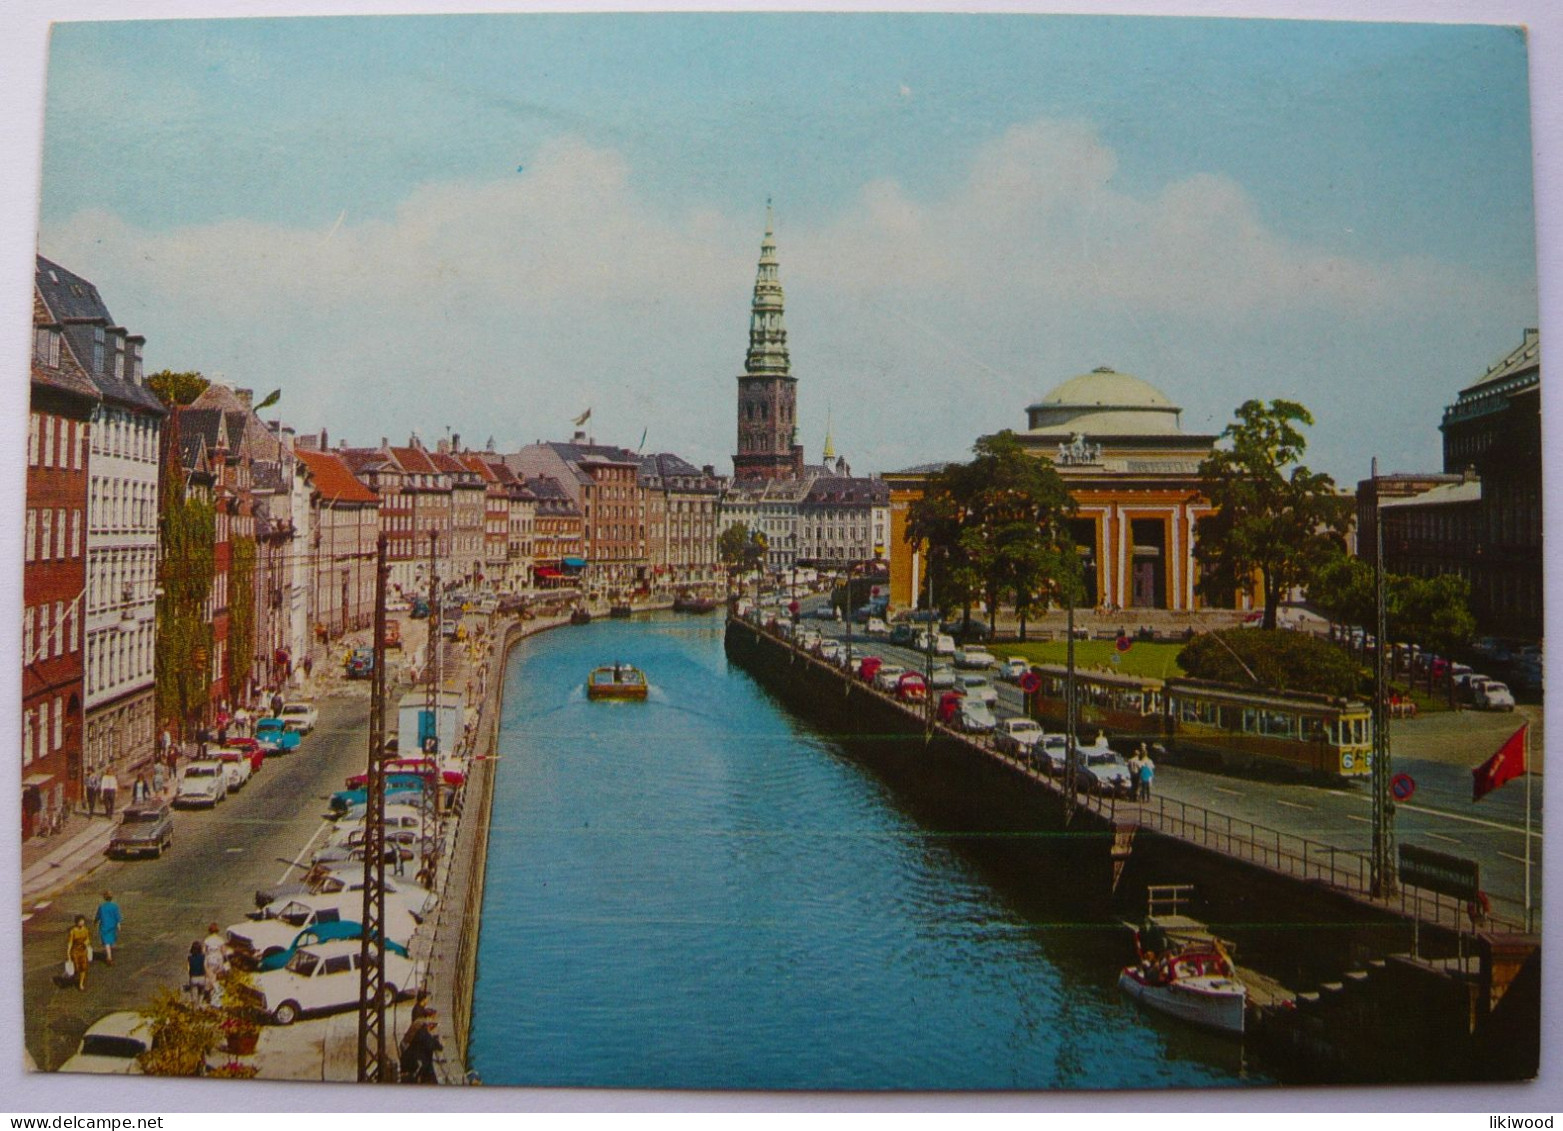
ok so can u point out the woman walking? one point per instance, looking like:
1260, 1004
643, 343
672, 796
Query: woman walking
78, 946
195, 964
108, 918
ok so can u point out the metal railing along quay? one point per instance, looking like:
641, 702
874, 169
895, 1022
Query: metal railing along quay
1287, 854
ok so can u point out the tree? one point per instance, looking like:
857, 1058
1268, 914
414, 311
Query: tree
1280, 660
993, 526
175, 389
741, 550
241, 615
1432, 612
184, 576
1273, 516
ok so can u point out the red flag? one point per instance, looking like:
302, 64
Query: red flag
1502, 767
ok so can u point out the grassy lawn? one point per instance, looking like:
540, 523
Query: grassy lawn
1159, 660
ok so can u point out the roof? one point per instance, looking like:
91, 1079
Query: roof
1466, 491
1527, 355
334, 479
68, 376
593, 453
415, 461
75, 305
843, 491
1104, 402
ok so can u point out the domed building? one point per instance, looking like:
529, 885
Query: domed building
1134, 473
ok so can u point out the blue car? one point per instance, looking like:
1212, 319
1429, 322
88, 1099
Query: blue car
321, 932
275, 737
346, 800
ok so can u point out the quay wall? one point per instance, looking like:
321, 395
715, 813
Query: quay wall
1379, 981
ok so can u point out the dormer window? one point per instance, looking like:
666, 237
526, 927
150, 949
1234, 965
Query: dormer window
97, 349
46, 347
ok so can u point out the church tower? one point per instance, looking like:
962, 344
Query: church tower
767, 390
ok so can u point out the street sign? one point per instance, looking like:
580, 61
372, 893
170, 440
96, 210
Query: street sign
1031, 683
1402, 786
1440, 872
1123, 643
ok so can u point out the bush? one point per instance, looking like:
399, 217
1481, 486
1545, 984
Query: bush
1282, 661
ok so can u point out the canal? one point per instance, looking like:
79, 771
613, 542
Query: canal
704, 891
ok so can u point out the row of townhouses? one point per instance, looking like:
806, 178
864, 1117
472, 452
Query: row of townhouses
293, 527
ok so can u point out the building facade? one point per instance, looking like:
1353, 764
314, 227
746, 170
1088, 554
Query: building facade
344, 532
63, 400
125, 436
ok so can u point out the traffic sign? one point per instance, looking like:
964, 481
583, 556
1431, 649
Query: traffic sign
1123, 643
1402, 786
1031, 683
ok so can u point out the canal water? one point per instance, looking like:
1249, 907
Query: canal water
703, 891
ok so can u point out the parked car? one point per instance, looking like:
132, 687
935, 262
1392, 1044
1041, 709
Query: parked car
1014, 668
323, 880
300, 716
887, 676
976, 632
876, 627
944, 645
832, 650
1016, 736
1050, 754
237, 765
902, 633
251, 941
144, 830
322, 979
252, 749
943, 677
868, 667
1102, 771
910, 688
1493, 696
974, 658
978, 687
322, 933
275, 737
111, 1045
974, 716
202, 784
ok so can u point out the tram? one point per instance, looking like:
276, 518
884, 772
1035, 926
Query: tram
1320, 734
1126, 707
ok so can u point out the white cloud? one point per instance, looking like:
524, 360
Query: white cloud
506, 306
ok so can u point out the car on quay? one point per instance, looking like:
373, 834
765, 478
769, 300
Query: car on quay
1016, 736
911, 688
237, 765
1014, 669
978, 687
275, 737
868, 667
202, 785
322, 879
322, 933
1101, 770
887, 676
832, 650
300, 716
943, 677
143, 830
973, 716
876, 627
974, 658
1050, 754
323, 978
252, 940
111, 1045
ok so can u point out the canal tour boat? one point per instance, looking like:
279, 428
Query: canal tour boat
579, 615
616, 681
688, 603
1185, 972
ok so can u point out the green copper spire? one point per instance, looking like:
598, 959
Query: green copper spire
767, 331
830, 444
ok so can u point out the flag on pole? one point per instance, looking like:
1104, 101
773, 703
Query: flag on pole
273, 398
1502, 767
583, 418
643, 434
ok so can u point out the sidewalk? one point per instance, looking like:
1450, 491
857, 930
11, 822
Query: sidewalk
51, 863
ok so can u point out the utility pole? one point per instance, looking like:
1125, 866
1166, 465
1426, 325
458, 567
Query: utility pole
1071, 755
1384, 862
932, 639
374, 1065
429, 739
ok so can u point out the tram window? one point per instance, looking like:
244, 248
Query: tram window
1229, 720
1356, 731
1279, 724
1188, 710
1312, 728
1250, 721
1151, 704
1332, 729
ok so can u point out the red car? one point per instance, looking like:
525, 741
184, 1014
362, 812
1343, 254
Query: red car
910, 688
254, 749
869, 668
949, 703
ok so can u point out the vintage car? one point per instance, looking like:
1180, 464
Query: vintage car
202, 785
111, 1045
275, 736
144, 830
323, 978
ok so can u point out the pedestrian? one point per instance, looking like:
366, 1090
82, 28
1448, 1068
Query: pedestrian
1136, 764
241, 720
276, 701
195, 964
109, 787
159, 779
165, 742
138, 792
78, 951
1147, 775
94, 783
216, 954
418, 1058
108, 918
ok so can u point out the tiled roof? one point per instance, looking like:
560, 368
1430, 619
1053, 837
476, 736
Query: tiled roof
415, 461
846, 491
68, 376
334, 479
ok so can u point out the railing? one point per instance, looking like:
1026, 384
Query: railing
1284, 853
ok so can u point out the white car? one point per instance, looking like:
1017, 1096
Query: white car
1017, 736
974, 716
888, 676
324, 978
974, 658
831, 650
876, 627
237, 765
203, 784
111, 1044
978, 687
301, 717
1014, 668
1494, 696
943, 677
254, 939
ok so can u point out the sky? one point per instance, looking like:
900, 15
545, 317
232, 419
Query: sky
488, 224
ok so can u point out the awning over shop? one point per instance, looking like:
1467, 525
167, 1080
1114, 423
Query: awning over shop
574, 563
36, 781
547, 571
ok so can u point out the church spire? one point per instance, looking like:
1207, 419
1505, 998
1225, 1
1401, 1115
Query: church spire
830, 444
767, 331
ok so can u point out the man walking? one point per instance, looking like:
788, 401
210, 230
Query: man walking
110, 788
94, 783
108, 919
1147, 775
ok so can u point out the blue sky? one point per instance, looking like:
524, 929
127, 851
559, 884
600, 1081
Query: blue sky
490, 223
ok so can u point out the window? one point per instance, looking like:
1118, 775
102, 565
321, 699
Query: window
27, 737
46, 536
32, 440
57, 630
27, 637
97, 349
59, 724
50, 433
29, 537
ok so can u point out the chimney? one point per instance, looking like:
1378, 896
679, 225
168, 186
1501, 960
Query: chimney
383, 443
325, 441
246, 397
580, 437
708, 470
442, 446
455, 441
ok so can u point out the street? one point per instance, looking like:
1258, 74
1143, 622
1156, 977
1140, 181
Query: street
209, 875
